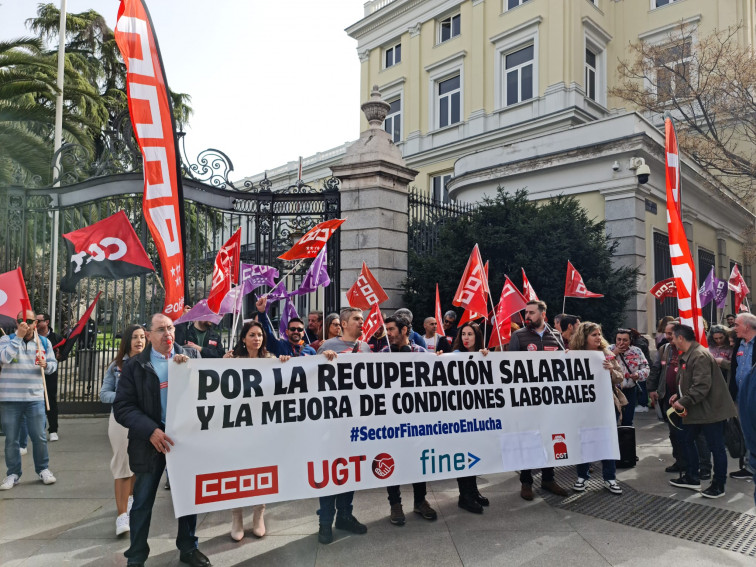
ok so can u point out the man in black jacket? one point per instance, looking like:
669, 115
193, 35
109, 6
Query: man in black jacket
201, 336
140, 405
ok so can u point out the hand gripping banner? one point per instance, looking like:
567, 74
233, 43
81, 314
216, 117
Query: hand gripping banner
152, 119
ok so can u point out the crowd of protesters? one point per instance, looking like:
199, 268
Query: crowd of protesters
695, 390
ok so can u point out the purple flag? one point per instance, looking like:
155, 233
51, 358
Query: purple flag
316, 276
231, 301
289, 312
706, 291
200, 312
720, 292
253, 276
277, 293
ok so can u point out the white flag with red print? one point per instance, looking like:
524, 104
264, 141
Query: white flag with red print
527, 289
574, 285
737, 284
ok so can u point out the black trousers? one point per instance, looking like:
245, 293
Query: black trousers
467, 484
52, 396
547, 475
395, 493
677, 439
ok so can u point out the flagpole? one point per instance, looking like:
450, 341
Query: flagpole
42, 370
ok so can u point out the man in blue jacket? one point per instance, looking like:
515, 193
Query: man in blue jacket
744, 375
140, 405
293, 344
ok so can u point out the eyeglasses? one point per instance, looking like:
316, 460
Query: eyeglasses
447, 322
296, 329
28, 321
40, 320
163, 330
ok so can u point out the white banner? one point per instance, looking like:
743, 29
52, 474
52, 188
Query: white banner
249, 431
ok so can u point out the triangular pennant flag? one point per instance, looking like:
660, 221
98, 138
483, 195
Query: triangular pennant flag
313, 241
316, 276
574, 286
527, 289
439, 314
225, 271
366, 291
472, 292
68, 343
109, 248
13, 295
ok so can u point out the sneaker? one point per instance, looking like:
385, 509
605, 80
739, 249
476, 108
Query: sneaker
742, 474
613, 486
641, 409
397, 514
325, 534
579, 485
131, 503
686, 482
9, 482
122, 524
24, 450
47, 476
714, 491
53, 436
425, 510
350, 524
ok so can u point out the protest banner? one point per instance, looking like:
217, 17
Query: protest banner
250, 431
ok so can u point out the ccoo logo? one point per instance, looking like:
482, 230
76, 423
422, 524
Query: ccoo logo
383, 465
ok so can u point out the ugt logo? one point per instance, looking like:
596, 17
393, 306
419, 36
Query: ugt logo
560, 446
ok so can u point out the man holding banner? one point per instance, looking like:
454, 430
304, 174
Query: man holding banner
140, 406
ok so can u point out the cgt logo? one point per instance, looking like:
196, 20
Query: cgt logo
231, 485
560, 446
383, 466
432, 463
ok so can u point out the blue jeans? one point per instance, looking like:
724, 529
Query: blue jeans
714, 433
643, 394
11, 414
628, 412
330, 504
23, 433
145, 488
608, 470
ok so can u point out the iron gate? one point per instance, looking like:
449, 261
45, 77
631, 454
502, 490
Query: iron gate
271, 221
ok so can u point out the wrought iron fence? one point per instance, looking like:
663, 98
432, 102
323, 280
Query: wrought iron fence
271, 221
427, 216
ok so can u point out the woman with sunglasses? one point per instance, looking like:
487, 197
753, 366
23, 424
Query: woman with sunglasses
251, 344
588, 337
133, 342
470, 339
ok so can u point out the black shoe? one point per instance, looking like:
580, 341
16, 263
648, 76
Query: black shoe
686, 482
480, 499
674, 468
195, 558
350, 524
742, 474
325, 534
469, 502
705, 476
714, 491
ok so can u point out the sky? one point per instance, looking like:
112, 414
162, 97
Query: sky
269, 81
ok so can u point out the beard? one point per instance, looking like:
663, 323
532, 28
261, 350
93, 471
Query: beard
532, 324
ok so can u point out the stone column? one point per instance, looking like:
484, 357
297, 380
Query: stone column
374, 180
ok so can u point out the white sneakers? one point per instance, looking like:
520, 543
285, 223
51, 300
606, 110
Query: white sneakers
613, 486
47, 476
53, 436
24, 450
579, 485
9, 482
122, 524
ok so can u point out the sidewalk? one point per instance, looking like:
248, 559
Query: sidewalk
73, 521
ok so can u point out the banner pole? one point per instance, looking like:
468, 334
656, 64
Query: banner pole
42, 370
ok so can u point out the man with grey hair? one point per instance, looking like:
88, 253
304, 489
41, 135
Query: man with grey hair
740, 368
450, 330
414, 337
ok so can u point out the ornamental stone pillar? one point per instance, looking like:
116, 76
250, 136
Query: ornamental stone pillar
374, 200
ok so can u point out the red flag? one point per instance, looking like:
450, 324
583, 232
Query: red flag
152, 120
469, 316
439, 314
527, 289
68, 343
664, 289
672, 164
510, 302
373, 322
225, 271
313, 241
683, 268
737, 284
13, 296
574, 286
501, 335
109, 248
473, 287
366, 291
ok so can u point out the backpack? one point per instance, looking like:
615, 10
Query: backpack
734, 440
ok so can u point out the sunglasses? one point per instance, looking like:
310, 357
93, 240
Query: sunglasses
28, 321
447, 322
296, 329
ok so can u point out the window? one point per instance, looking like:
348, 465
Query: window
514, 3
590, 74
662, 271
448, 28
393, 122
439, 192
519, 75
660, 3
673, 72
449, 93
393, 55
